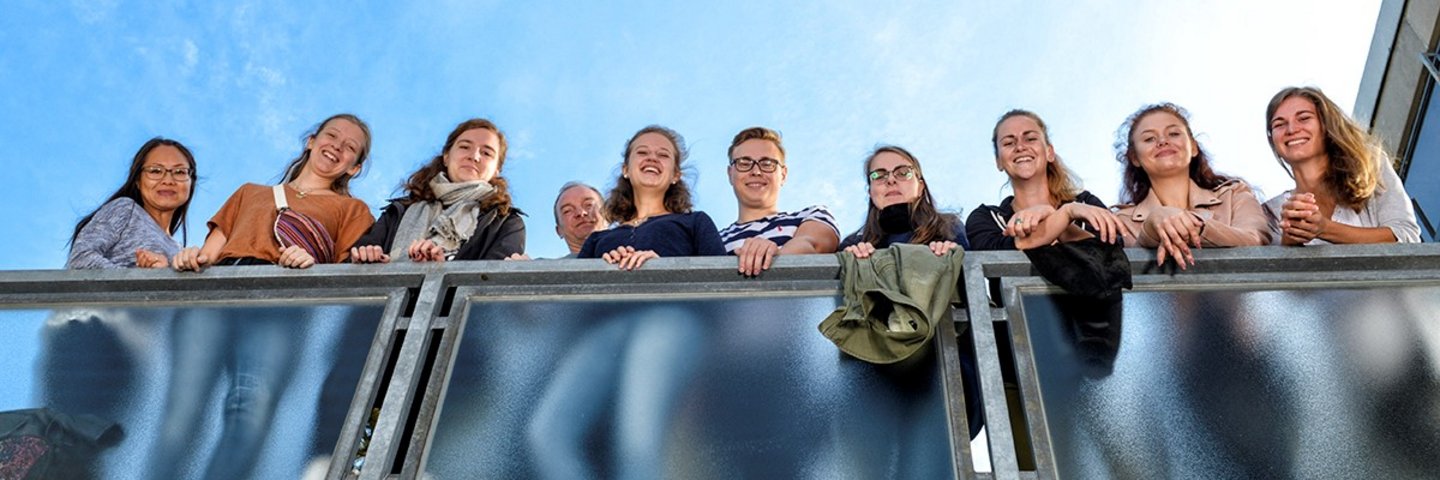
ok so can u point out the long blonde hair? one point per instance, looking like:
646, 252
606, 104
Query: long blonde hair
1356, 156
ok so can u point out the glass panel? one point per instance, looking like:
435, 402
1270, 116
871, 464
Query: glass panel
1272, 384
1425, 166
698, 389
149, 386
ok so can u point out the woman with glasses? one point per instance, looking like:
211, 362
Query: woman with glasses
651, 208
1345, 190
901, 208
1047, 206
1175, 201
457, 207
91, 355
761, 231
136, 227
308, 218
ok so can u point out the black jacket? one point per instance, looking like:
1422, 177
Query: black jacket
985, 227
495, 237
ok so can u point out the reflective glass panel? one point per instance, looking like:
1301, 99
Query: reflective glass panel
740, 388
1425, 167
181, 392
1270, 384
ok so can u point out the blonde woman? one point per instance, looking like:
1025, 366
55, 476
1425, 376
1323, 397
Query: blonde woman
1345, 190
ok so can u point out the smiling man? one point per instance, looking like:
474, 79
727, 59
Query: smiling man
757, 171
578, 214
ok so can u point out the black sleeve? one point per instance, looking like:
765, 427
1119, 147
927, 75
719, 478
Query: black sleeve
984, 233
510, 240
1087, 198
382, 233
851, 240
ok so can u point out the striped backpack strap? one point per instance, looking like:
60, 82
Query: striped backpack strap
295, 228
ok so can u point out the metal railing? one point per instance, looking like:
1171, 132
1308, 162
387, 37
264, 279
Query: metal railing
425, 306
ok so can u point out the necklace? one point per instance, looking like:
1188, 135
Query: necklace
304, 193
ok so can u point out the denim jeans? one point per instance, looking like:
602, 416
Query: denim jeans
257, 347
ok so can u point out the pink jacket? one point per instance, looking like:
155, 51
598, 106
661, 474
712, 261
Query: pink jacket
1232, 215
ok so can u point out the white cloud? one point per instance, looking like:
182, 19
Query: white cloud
92, 12
191, 55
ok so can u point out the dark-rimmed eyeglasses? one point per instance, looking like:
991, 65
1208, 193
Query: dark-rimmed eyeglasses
901, 173
181, 174
745, 164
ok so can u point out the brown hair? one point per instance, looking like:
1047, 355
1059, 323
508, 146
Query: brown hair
341, 185
620, 203
757, 133
1355, 155
1135, 185
418, 185
1059, 178
927, 223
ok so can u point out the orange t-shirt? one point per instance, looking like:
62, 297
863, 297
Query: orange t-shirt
248, 221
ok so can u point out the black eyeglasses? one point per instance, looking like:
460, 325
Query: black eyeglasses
745, 164
181, 174
901, 173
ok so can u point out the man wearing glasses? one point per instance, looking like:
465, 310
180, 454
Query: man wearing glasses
757, 171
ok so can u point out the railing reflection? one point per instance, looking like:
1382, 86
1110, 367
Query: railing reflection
203, 392
701, 389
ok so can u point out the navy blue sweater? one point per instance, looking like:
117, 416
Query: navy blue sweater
671, 235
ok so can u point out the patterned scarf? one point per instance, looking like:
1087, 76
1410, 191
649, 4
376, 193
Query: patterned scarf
448, 223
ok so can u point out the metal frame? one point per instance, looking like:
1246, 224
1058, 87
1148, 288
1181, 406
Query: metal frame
1239, 269
1431, 61
417, 295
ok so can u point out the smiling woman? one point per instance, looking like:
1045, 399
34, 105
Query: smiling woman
136, 226
651, 207
1047, 205
97, 350
1345, 190
1176, 201
258, 226
457, 207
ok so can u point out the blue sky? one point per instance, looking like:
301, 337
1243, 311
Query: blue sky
86, 83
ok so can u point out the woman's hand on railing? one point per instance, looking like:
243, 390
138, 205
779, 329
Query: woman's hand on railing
628, 258
942, 248
1024, 222
295, 256
1103, 220
368, 254
1300, 219
424, 250
1177, 233
148, 259
861, 250
190, 259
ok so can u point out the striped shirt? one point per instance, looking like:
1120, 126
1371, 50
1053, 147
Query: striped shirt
778, 228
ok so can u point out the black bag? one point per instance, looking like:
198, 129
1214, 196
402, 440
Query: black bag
42, 443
